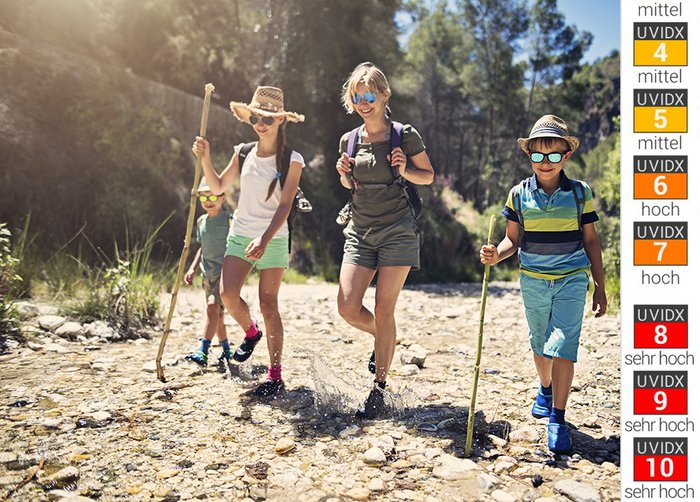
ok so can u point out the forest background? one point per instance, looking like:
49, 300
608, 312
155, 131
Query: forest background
100, 101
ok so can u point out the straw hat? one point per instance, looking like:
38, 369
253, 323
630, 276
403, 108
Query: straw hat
549, 126
267, 101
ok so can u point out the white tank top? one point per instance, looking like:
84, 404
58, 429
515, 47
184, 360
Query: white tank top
254, 213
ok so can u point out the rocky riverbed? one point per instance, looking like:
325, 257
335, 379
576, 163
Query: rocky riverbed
83, 417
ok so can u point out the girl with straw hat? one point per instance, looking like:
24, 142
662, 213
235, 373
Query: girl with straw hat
259, 236
382, 237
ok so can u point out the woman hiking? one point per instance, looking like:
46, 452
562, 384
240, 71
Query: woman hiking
378, 162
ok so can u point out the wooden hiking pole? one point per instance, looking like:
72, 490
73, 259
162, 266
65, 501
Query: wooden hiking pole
208, 90
477, 363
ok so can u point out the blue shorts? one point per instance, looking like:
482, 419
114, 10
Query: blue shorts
554, 312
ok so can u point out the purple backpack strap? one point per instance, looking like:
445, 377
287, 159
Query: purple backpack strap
396, 137
352, 142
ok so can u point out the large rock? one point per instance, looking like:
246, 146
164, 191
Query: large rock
415, 354
64, 477
70, 330
50, 322
100, 329
26, 310
576, 491
525, 435
449, 467
374, 457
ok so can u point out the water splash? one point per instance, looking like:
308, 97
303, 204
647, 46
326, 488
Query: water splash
337, 396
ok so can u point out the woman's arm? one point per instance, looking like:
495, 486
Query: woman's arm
420, 172
217, 183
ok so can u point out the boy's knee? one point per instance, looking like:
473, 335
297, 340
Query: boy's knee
213, 310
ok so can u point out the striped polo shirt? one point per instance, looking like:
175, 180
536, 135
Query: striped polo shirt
551, 244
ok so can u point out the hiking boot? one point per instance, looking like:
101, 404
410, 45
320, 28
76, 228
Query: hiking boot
245, 349
542, 407
198, 357
371, 366
374, 405
558, 438
269, 388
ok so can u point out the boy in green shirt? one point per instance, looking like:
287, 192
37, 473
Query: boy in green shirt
212, 231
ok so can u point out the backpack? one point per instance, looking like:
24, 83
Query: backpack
301, 203
410, 191
580, 199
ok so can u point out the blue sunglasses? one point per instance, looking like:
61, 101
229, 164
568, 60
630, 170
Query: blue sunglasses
369, 97
553, 157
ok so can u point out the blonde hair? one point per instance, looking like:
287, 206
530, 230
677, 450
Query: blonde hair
371, 76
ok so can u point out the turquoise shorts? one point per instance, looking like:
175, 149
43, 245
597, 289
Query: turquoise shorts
276, 255
554, 312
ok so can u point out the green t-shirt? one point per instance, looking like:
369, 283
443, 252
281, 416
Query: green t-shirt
212, 234
376, 207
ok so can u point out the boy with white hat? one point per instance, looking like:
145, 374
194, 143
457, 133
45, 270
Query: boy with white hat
212, 231
550, 222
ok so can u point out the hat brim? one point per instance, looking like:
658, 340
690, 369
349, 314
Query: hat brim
573, 141
243, 111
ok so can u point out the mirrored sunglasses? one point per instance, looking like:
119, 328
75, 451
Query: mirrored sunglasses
369, 97
554, 157
254, 119
210, 198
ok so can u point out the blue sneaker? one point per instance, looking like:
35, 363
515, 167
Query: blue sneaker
198, 357
542, 407
558, 438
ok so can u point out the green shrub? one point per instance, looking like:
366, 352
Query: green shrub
9, 285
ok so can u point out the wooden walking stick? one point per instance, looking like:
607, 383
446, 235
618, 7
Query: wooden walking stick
477, 363
208, 90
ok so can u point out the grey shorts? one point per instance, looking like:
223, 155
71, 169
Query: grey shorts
396, 245
211, 290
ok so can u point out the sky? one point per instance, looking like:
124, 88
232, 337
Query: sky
601, 18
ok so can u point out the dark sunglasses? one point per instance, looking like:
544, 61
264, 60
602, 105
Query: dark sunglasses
369, 97
210, 198
254, 119
554, 157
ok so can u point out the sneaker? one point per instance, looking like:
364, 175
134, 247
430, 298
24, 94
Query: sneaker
269, 388
198, 357
374, 405
245, 350
371, 366
225, 357
542, 407
558, 438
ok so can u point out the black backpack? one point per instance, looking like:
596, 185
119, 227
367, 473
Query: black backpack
301, 203
409, 189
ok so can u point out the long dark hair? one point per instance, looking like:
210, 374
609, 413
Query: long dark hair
278, 159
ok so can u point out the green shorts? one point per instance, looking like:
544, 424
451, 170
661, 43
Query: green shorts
395, 245
276, 255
